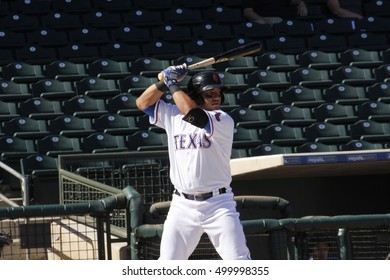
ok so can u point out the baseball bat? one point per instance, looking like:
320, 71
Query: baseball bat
225, 56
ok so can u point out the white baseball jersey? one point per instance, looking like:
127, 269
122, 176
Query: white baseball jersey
200, 159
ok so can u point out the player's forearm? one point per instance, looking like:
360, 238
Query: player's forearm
149, 97
346, 14
250, 14
183, 101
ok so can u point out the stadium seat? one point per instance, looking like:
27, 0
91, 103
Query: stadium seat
71, 7
367, 40
203, 48
335, 113
337, 25
130, 34
361, 58
6, 56
47, 37
10, 39
8, 110
253, 31
115, 124
36, 55
20, 22
282, 135
25, 128
70, 126
120, 51
385, 54
259, 99
54, 145
59, 20
212, 31
300, 96
327, 42
143, 18
41, 172
239, 65
327, 133
173, 33
39, 108
295, 27
12, 149
379, 92
183, 15
310, 77
154, 5
161, 49
108, 69
89, 36
369, 130
233, 81
286, 44
54, 90
249, 118
353, 76
319, 60
144, 124
22, 72
194, 4
223, 14
102, 20
377, 8
123, 104
98, 88
64, 70
146, 141
269, 149
291, 115
360, 145
276, 61
79, 53
113, 5
135, 84
84, 107
148, 66
13, 91
230, 101
37, 8
374, 110
239, 153
382, 73
245, 137
345, 94
268, 80
101, 142
315, 147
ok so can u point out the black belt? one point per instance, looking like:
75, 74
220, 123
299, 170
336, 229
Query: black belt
199, 196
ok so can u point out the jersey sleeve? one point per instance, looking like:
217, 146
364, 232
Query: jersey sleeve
220, 124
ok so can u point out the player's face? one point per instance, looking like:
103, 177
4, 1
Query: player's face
212, 99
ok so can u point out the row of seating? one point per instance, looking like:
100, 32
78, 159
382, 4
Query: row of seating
125, 51
272, 139
66, 70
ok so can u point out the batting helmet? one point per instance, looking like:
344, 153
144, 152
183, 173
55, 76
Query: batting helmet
202, 82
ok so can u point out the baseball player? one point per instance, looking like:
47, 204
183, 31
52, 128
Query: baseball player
200, 137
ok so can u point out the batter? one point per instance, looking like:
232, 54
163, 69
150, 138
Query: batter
200, 138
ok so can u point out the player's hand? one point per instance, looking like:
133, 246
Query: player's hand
181, 71
174, 74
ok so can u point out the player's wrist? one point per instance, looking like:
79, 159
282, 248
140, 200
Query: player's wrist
161, 86
174, 88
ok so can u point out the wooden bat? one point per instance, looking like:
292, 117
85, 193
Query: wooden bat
225, 56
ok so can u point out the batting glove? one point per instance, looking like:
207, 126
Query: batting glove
170, 77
